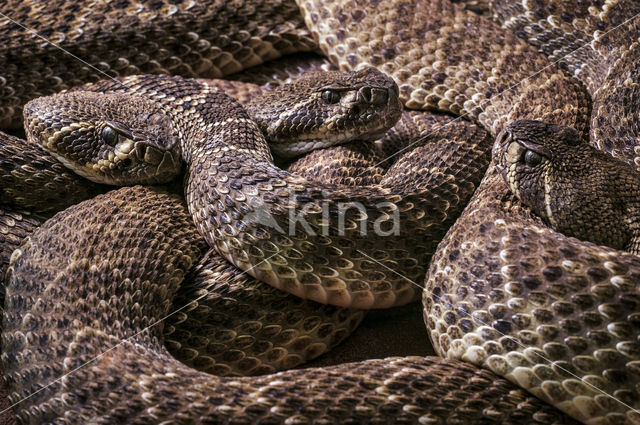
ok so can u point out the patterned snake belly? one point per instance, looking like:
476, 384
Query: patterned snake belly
550, 313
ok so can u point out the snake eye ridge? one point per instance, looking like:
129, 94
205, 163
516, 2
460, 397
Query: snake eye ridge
330, 96
532, 158
110, 136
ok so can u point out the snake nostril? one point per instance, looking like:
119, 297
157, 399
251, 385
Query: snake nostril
373, 95
380, 96
365, 94
504, 138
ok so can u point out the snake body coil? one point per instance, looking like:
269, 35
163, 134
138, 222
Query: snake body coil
553, 314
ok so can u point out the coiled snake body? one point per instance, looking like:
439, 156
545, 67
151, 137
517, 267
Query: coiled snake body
551, 313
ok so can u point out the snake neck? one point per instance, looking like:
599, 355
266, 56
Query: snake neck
210, 124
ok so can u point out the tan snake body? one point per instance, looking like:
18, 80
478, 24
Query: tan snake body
94, 40
103, 391
531, 269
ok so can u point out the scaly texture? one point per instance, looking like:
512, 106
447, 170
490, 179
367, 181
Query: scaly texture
554, 314
228, 323
91, 305
248, 218
496, 291
94, 40
31, 179
14, 227
495, 78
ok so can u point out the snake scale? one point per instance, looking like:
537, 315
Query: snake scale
551, 313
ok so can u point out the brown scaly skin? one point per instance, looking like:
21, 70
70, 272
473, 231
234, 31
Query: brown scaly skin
545, 310
550, 86
277, 343
482, 392
496, 292
578, 190
253, 199
481, 137
109, 292
14, 227
439, 141
356, 164
207, 39
284, 70
214, 334
32, 180
230, 324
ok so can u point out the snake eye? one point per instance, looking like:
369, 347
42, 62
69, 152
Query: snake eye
532, 158
330, 96
110, 136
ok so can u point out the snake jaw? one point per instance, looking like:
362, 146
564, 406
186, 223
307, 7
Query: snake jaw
508, 166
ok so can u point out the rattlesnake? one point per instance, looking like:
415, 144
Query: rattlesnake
478, 251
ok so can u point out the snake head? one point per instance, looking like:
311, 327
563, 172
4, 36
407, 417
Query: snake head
532, 157
575, 188
106, 138
326, 108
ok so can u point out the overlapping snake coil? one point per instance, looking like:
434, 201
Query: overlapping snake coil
554, 315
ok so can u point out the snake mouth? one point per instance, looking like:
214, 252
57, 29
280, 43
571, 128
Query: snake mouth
146, 159
129, 162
